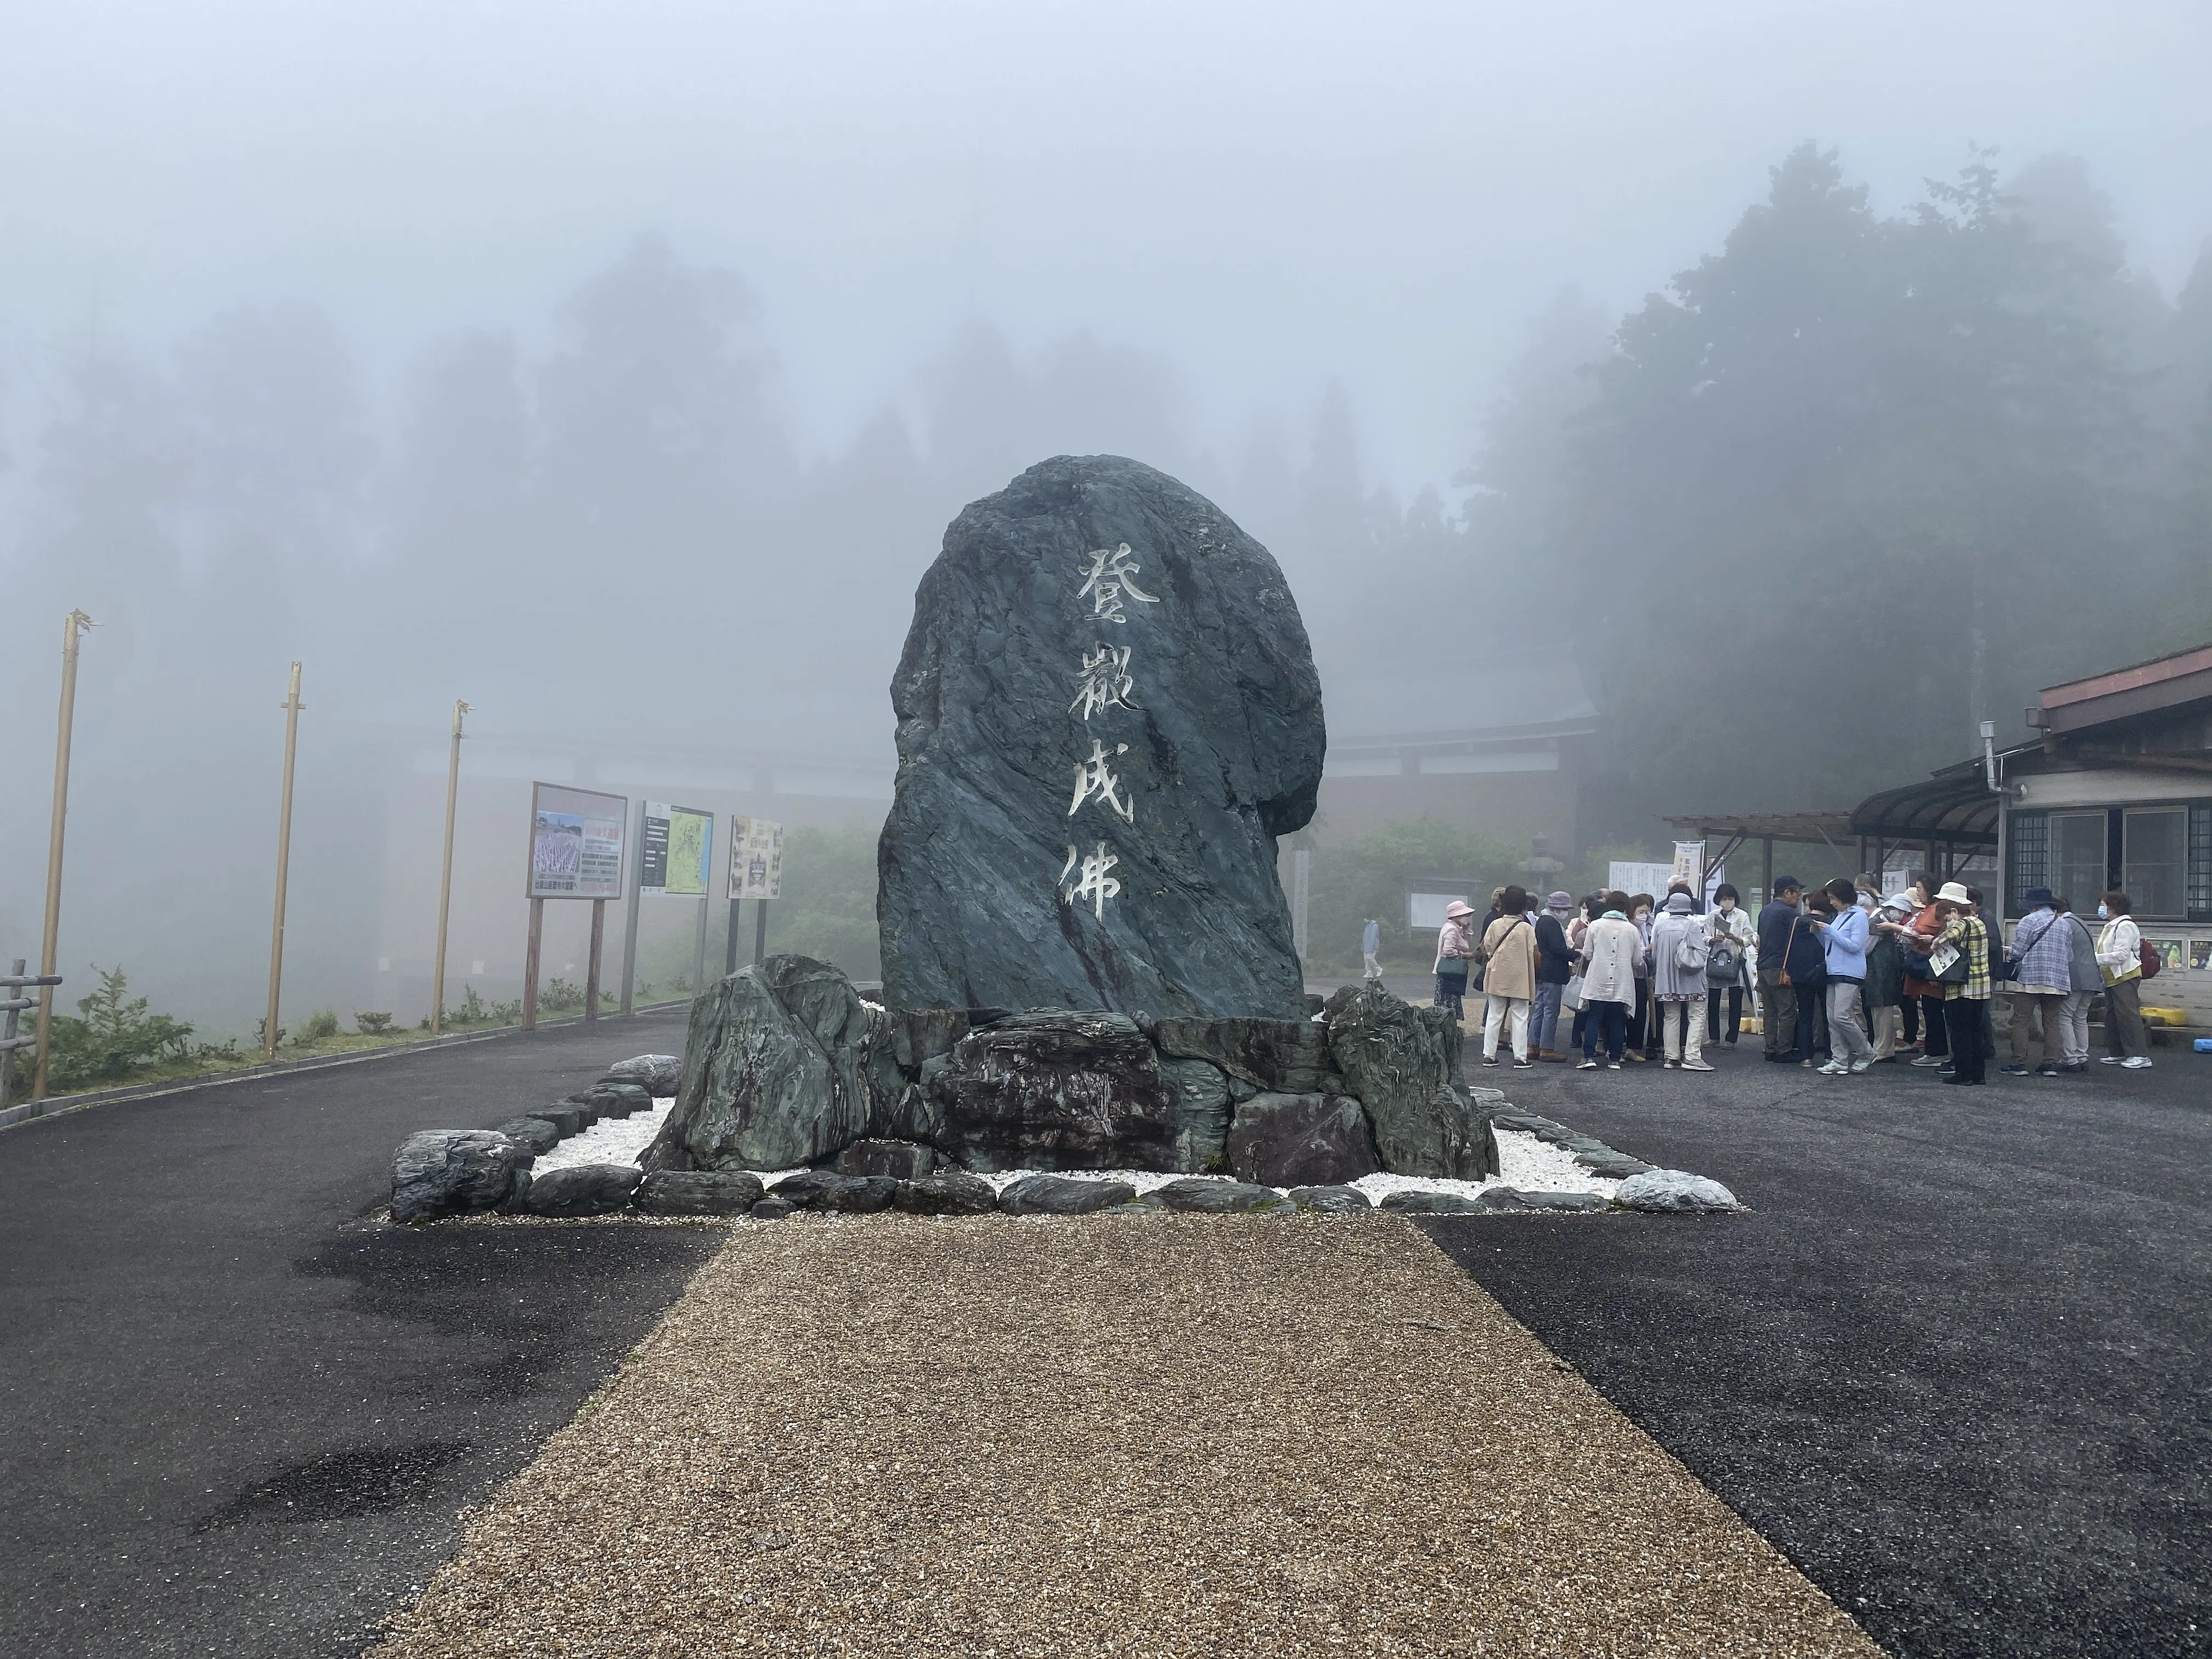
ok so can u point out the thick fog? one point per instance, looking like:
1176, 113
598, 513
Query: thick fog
617, 368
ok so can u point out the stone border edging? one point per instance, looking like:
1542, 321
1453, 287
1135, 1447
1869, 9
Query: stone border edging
32, 1111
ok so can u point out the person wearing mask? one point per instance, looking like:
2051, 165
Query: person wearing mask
1789, 958
2119, 954
1370, 949
1509, 979
1885, 976
1642, 1039
2042, 977
1732, 951
1454, 956
1962, 936
1914, 938
1592, 908
1612, 946
1554, 967
2084, 979
1680, 949
1844, 946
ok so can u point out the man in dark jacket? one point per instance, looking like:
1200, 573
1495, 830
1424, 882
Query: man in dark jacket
1554, 967
1786, 942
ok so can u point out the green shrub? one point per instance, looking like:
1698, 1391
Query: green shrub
371, 1024
114, 1037
323, 1023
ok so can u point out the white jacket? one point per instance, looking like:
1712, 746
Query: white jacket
2119, 950
1615, 949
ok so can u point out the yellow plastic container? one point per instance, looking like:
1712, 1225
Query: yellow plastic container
2165, 1016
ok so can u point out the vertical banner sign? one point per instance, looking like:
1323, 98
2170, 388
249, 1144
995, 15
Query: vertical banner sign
1689, 866
755, 859
675, 851
575, 842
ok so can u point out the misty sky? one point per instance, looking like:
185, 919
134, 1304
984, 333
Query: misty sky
1264, 195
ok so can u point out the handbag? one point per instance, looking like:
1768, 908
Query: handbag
1724, 963
1571, 994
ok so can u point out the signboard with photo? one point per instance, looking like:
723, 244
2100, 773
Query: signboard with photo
675, 853
575, 842
755, 859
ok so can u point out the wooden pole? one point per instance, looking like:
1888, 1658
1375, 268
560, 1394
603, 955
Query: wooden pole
73, 626
291, 706
630, 910
699, 951
730, 944
446, 873
760, 930
530, 964
592, 968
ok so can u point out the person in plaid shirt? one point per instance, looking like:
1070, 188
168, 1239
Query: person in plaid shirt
1963, 931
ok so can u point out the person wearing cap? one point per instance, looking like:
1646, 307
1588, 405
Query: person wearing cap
1554, 967
1789, 966
1679, 945
1965, 1000
1455, 954
2042, 975
1884, 975
1732, 949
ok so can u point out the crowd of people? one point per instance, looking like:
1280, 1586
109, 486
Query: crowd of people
1842, 978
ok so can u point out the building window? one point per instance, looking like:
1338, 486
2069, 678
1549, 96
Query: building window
2076, 864
2027, 848
2200, 863
2155, 853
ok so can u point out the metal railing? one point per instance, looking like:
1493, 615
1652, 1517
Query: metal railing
15, 1007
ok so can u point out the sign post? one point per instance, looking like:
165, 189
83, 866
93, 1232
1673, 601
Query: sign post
755, 874
575, 853
675, 857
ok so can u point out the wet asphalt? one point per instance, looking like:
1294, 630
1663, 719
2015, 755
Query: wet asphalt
240, 1418
1954, 1361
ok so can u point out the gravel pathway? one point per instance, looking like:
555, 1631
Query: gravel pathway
1111, 1435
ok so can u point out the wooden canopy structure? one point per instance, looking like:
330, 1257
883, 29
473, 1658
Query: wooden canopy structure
1950, 817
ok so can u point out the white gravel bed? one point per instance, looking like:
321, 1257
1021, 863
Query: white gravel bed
1524, 1162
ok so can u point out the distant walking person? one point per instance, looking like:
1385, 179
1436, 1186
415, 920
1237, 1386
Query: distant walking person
2119, 954
1509, 982
1612, 948
1961, 959
1370, 949
1455, 955
2042, 978
1681, 946
1844, 946
1554, 967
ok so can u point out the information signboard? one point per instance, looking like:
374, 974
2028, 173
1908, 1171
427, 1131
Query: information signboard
575, 842
675, 850
755, 859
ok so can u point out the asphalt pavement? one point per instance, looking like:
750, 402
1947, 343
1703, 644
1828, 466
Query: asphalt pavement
241, 1419
1954, 1361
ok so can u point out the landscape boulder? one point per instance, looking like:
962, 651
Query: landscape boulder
1053, 1194
698, 1192
1301, 1140
659, 1074
439, 1172
826, 1189
901, 1160
1677, 1192
1219, 1197
583, 1189
1107, 713
1059, 1091
1515, 1197
949, 1192
1402, 1063
772, 1208
1201, 1092
569, 1117
1430, 1204
783, 1065
617, 1099
534, 1134
1276, 1056
1330, 1201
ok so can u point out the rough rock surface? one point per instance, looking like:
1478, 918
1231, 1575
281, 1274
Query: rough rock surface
1058, 1091
1516, 1198
617, 1099
453, 1172
1052, 1194
1402, 1062
1430, 1204
1201, 1113
659, 1074
783, 1065
949, 1192
825, 1189
533, 1134
584, 1189
1673, 1191
566, 1116
1301, 1140
1278, 1057
1219, 1197
901, 1160
772, 1208
698, 1192
1206, 740
1330, 1201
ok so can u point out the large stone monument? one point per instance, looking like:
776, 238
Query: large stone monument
1107, 713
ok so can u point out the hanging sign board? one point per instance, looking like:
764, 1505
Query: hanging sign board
676, 854
755, 859
575, 842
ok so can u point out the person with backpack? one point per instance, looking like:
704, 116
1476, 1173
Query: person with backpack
1731, 950
1509, 982
1554, 967
1680, 952
1844, 946
2042, 977
2085, 979
2125, 960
